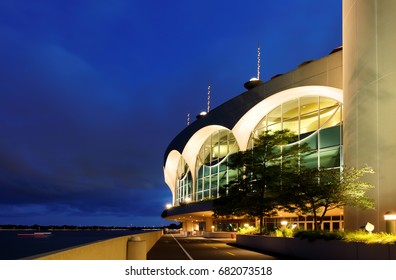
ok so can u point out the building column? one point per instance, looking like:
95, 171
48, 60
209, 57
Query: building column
369, 59
188, 226
209, 224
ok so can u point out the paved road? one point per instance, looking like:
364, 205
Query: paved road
172, 247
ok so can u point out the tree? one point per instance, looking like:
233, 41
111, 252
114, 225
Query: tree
261, 173
316, 191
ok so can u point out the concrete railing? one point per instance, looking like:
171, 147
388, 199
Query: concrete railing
133, 247
318, 249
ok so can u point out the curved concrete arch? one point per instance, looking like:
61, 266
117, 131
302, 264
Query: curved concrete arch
170, 167
244, 127
195, 143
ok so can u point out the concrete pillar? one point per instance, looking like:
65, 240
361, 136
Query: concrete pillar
208, 224
136, 249
369, 60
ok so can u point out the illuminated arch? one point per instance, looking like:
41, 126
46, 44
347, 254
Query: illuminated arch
170, 170
244, 127
195, 143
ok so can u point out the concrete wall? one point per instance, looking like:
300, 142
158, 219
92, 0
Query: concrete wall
369, 59
318, 249
110, 249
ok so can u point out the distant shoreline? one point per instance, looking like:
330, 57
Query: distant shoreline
72, 228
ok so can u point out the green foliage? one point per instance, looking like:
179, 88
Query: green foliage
249, 230
316, 191
318, 234
374, 238
272, 177
283, 232
355, 236
261, 173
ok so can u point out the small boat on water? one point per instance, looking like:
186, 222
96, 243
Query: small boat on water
36, 234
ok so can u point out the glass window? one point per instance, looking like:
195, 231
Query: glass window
327, 114
262, 124
308, 104
290, 109
309, 122
206, 170
332, 119
330, 137
291, 124
330, 158
312, 141
327, 102
199, 185
275, 127
310, 160
206, 183
275, 116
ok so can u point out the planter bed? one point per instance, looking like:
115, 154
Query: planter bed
318, 249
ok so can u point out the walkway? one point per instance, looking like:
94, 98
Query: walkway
177, 247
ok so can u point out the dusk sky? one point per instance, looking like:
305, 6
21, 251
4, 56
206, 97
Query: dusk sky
92, 92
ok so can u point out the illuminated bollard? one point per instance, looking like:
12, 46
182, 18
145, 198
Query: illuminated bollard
136, 249
390, 222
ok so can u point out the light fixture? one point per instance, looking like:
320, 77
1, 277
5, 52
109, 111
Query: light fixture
284, 223
168, 206
390, 222
390, 216
246, 225
369, 227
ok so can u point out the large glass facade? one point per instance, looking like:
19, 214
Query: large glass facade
184, 183
212, 169
316, 120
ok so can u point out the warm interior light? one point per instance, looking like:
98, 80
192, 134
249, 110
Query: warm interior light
390, 216
246, 225
283, 223
188, 199
168, 206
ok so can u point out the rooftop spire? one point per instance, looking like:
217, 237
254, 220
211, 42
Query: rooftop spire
258, 60
254, 82
208, 96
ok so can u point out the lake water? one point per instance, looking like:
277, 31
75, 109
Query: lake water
13, 247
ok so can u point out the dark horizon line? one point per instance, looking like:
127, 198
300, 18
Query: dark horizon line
90, 227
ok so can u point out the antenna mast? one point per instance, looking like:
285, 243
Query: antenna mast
258, 60
208, 96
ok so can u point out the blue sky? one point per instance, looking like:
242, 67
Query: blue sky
92, 92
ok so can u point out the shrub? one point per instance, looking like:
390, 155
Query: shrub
317, 234
374, 238
248, 230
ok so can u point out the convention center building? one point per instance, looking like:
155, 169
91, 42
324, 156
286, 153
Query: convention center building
342, 105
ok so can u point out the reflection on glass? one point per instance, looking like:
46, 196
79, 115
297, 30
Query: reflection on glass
291, 124
330, 158
329, 118
290, 109
275, 116
309, 122
308, 104
327, 102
